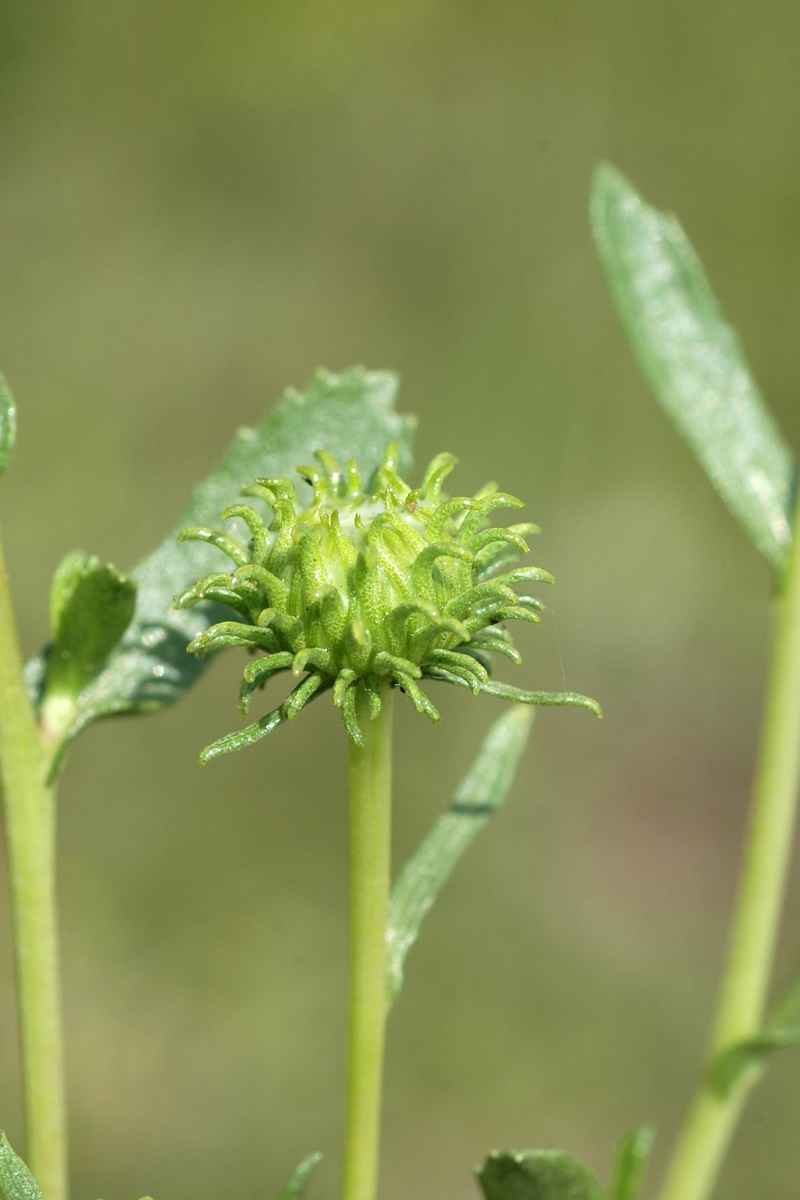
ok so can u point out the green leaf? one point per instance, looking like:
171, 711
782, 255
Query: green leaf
537, 1175
8, 425
631, 1163
692, 359
298, 1182
782, 1029
351, 415
16, 1181
91, 606
479, 795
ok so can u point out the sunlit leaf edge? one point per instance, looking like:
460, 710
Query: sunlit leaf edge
693, 360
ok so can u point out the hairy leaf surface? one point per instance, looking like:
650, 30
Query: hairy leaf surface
692, 359
16, 1181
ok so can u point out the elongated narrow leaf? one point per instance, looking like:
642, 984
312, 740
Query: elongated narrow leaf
16, 1181
782, 1029
537, 1175
351, 415
8, 425
692, 359
631, 1163
299, 1181
478, 797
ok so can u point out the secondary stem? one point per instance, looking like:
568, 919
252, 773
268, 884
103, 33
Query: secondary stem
370, 841
712, 1117
29, 808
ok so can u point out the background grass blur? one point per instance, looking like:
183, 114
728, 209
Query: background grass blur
202, 202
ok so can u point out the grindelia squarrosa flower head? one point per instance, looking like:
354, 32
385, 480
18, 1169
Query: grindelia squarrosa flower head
369, 589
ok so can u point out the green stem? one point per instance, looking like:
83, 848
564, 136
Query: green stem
713, 1115
370, 841
29, 807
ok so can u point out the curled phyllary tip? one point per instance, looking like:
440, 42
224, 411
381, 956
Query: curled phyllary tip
368, 589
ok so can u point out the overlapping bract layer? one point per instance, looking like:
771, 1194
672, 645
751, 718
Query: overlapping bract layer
365, 589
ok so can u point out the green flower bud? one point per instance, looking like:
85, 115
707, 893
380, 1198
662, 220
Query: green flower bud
368, 589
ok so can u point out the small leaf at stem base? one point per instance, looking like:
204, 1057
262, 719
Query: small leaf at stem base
91, 606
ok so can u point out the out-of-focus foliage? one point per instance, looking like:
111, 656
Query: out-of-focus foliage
478, 796
296, 1186
8, 425
781, 1030
537, 1175
200, 203
554, 1175
631, 1164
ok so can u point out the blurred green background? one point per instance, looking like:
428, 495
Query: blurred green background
202, 202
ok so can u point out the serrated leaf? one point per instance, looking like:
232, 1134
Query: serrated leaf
631, 1164
298, 1182
782, 1030
16, 1181
479, 795
351, 415
537, 1175
692, 359
8, 425
91, 606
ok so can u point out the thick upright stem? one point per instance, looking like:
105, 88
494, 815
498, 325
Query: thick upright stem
713, 1115
30, 836
370, 841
